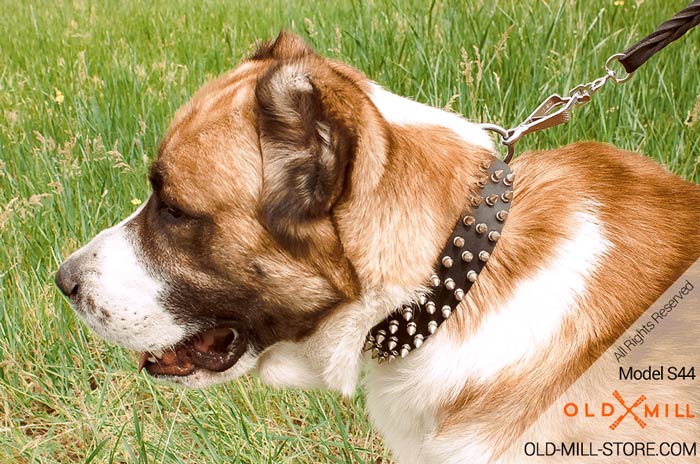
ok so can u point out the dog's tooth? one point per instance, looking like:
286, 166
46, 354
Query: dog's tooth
446, 311
471, 276
157, 353
447, 262
458, 242
467, 256
449, 284
484, 256
432, 326
418, 340
152, 359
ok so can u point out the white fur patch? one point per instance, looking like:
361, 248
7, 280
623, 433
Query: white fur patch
403, 397
118, 297
403, 111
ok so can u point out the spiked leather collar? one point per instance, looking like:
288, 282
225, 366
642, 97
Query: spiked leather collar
461, 260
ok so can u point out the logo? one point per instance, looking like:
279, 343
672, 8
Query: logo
628, 410
641, 410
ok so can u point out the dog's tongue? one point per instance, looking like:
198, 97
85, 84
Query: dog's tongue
215, 349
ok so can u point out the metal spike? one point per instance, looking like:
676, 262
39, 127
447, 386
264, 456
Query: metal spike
467, 256
375, 353
468, 221
418, 340
368, 345
411, 328
481, 228
492, 199
392, 356
447, 262
449, 284
446, 311
408, 313
405, 348
484, 256
476, 201
502, 215
497, 175
393, 341
422, 299
371, 338
507, 196
381, 336
485, 164
459, 294
481, 183
382, 358
494, 235
508, 180
471, 276
430, 307
435, 280
432, 327
458, 242
393, 326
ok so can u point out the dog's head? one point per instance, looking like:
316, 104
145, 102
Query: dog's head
235, 249
237, 260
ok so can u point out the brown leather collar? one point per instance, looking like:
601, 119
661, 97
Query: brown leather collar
464, 256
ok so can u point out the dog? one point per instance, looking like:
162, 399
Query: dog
296, 205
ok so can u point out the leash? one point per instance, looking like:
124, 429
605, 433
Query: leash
556, 110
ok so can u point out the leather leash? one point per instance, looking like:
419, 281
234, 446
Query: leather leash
556, 110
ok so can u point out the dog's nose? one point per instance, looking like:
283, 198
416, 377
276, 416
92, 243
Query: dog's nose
66, 280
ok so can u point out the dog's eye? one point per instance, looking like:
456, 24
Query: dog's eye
171, 213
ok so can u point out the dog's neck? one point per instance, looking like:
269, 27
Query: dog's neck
391, 260
457, 268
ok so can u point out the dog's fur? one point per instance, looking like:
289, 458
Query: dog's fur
306, 203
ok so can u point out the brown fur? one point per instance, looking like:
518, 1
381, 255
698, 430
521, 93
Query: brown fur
290, 179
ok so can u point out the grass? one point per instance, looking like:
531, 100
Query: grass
86, 90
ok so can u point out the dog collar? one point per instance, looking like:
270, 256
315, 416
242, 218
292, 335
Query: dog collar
461, 260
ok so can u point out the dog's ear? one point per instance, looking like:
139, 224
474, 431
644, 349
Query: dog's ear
305, 148
285, 46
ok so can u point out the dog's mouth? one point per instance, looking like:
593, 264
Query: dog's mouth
216, 349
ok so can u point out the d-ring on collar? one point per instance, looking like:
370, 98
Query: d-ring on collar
464, 256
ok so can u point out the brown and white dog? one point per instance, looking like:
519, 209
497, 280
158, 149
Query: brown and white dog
296, 204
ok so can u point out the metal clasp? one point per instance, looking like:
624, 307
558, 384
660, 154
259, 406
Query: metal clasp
556, 110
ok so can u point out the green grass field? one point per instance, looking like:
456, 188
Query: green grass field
86, 91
